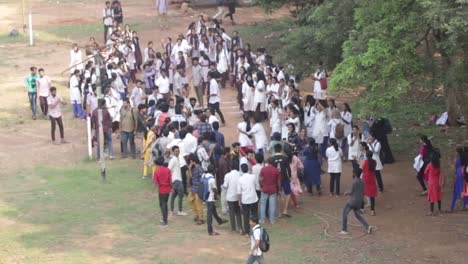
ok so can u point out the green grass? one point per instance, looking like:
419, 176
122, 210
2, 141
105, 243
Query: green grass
265, 34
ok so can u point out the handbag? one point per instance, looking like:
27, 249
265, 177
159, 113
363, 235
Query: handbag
324, 83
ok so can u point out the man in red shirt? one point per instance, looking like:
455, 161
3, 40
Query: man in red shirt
270, 183
162, 178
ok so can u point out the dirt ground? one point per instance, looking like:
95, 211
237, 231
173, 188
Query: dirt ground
404, 235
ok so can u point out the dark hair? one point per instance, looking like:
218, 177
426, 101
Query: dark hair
427, 141
226, 150
164, 108
159, 161
194, 158
174, 148
244, 168
247, 121
235, 144
278, 148
215, 125
333, 143
210, 168
364, 145
182, 133
347, 108
141, 107
435, 158
52, 89
276, 136
254, 219
259, 158
371, 161
202, 118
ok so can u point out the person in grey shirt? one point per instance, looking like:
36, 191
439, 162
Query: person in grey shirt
354, 203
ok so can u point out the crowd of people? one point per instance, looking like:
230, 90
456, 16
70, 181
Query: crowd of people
147, 97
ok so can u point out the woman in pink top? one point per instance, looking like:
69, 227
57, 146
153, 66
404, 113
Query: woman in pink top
435, 182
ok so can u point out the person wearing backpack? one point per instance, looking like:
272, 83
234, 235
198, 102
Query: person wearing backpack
209, 184
256, 254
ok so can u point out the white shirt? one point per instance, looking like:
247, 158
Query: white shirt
244, 140
212, 119
214, 92
136, 96
354, 150
211, 186
348, 117
275, 89
44, 86
247, 187
231, 180
203, 157
155, 98
375, 147
174, 166
334, 159
163, 84
258, 131
260, 96
190, 144
180, 143
75, 95
256, 171
256, 234
332, 125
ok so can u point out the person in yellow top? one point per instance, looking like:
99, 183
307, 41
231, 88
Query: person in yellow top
148, 164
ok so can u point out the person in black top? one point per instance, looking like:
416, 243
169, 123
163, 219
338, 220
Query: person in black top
118, 14
381, 128
282, 163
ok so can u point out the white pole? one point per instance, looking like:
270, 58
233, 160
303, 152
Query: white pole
31, 41
90, 137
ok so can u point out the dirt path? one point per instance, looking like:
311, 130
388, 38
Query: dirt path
405, 235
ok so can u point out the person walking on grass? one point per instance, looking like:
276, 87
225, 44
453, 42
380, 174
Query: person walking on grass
256, 254
211, 202
334, 155
55, 114
178, 187
435, 182
270, 182
162, 178
354, 203
31, 87
247, 187
231, 180
195, 173
128, 127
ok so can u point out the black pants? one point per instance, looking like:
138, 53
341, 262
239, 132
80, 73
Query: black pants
235, 216
378, 176
177, 190
210, 213
232, 10
335, 183
421, 176
439, 205
163, 199
215, 108
249, 210
53, 121
372, 203
183, 171
44, 105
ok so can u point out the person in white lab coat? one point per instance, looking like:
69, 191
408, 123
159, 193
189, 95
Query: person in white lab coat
309, 116
260, 95
319, 92
248, 92
376, 147
76, 59
347, 119
334, 156
75, 94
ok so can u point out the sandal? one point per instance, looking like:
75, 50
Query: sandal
430, 214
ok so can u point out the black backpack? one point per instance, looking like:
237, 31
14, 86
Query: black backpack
264, 240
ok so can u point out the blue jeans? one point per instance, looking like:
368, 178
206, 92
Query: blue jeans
271, 199
77, 109
107, 142
258, 259
124, 138
357, 213
33, 102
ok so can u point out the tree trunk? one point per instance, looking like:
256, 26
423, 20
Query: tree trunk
450, 89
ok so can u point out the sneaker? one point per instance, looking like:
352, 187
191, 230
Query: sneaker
369, 230
223, 221
111, 157
164, 225
342, 232
181, 213
423, 193
63, 141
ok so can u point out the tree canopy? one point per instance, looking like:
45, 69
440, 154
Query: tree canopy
391, 48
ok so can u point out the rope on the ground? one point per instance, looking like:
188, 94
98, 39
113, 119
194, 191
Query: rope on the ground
327, 224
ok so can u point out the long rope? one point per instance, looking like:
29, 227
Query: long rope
327, 224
